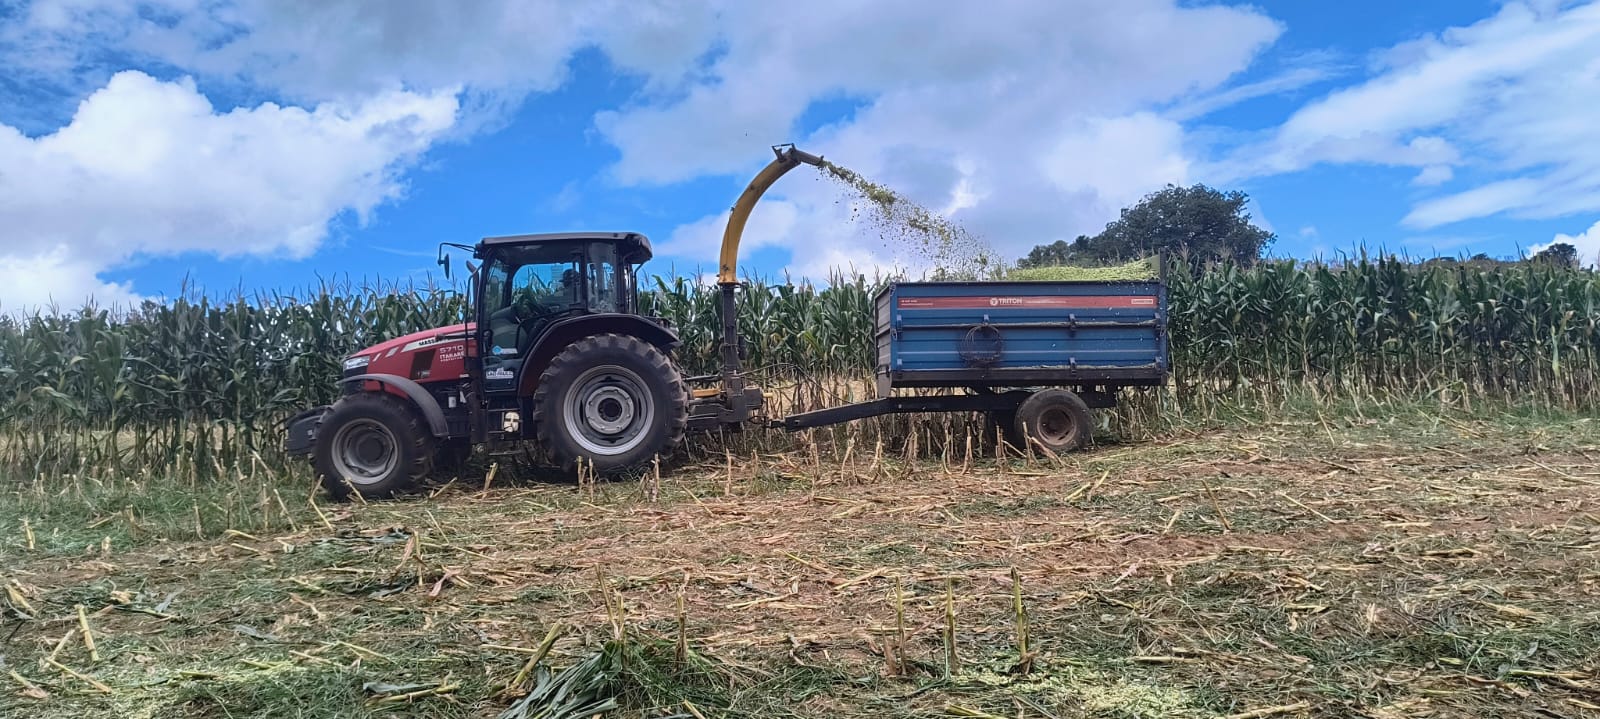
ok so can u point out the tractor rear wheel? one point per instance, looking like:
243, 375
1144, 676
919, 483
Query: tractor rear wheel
612, 401
1055, 419
373, 443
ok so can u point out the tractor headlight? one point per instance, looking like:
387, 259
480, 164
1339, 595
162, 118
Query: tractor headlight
355, 364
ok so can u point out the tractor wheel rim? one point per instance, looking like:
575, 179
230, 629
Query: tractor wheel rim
609, 410
1055, 426
364, 451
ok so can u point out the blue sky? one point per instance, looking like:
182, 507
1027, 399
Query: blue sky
267, 145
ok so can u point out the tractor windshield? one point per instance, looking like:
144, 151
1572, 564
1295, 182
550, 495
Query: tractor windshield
524, 287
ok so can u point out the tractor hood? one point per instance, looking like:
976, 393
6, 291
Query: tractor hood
417, 340
395, 356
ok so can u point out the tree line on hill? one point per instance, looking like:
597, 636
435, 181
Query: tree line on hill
1206, 225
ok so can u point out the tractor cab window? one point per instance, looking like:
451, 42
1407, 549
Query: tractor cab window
539, 290
524, 289
604, 279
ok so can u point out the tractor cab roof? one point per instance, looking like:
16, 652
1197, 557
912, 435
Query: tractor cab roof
631, 246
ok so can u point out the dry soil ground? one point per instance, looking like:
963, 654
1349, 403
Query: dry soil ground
1394, 568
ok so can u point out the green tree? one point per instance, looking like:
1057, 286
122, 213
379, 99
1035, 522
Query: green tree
1199, 222
1051, 255
1560, 253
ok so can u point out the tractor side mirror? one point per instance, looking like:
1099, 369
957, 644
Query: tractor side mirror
444, 261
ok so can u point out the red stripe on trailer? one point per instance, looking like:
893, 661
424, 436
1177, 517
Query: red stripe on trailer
1025, 302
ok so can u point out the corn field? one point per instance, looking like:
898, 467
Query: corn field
1527, 330
208, 382
826, 331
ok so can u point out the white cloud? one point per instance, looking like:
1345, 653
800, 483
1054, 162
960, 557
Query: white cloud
361, 89
1586, 242
57, 277
1117, 160
1512, 96
702, 238
1433, 175
147, 167
1258, 215
311, 51
1027, 122
1287, 81
1470, 203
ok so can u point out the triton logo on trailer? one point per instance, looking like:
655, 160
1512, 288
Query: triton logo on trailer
1007, 301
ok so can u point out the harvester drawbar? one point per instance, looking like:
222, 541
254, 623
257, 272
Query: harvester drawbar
553, 351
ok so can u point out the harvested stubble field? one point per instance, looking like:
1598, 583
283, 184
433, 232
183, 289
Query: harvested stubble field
1408, 567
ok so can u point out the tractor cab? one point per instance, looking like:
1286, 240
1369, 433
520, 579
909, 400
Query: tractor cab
530, 284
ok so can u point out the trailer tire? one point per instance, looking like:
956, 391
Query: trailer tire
1055, 419
374, 443
613, 401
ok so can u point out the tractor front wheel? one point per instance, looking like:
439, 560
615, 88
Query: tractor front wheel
612, 401
373, 443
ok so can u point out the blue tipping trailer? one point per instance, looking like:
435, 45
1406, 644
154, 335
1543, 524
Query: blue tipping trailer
994, 334
1080, 341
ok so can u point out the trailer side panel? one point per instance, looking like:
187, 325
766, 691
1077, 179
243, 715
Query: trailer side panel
998, 334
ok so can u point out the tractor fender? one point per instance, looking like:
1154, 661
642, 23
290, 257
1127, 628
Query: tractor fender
419, 397
565, 332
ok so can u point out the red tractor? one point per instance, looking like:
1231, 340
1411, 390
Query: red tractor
556, 352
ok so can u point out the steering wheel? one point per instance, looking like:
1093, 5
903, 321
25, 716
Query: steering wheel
524, 308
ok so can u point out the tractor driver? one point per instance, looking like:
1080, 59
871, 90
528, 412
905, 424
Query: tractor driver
532, 305
544, 300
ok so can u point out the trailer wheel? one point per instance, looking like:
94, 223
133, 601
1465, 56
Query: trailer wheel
374, 443
1056, 419
614, 401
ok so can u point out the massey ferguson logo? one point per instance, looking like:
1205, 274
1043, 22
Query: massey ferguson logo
998, 301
